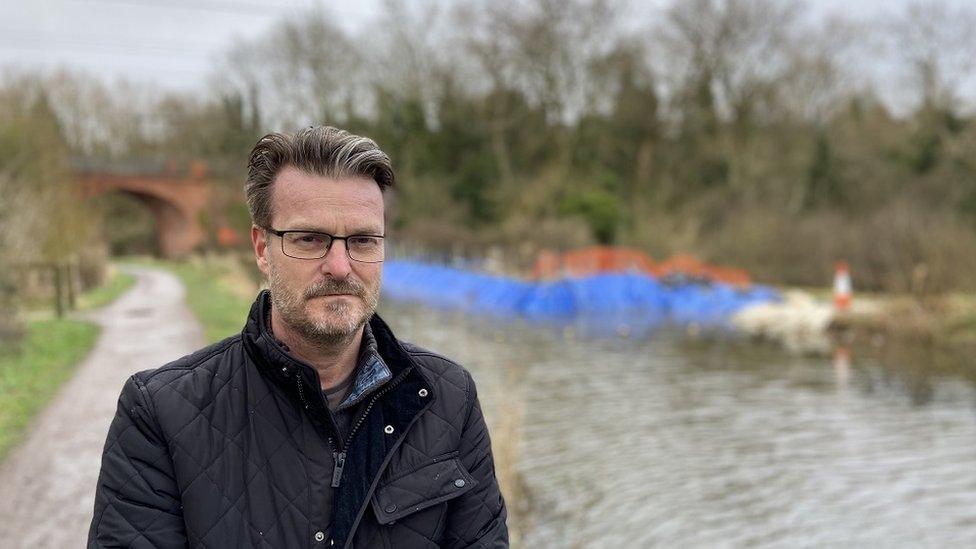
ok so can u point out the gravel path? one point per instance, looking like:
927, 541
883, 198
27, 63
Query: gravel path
47, 484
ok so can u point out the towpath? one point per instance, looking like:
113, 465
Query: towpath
47, 484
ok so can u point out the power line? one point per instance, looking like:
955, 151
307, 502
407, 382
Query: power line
15, 39
236, 7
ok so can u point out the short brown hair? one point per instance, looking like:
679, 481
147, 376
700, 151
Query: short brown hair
321, 150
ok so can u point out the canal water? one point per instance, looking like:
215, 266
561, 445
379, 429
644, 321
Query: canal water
666, 441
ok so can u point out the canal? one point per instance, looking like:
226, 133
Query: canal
671, 441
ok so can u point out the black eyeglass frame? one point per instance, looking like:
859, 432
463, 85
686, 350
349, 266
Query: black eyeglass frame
332, 239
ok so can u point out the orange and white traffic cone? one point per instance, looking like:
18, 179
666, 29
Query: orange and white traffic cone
842, 286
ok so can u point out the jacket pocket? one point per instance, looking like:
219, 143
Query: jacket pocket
421, 488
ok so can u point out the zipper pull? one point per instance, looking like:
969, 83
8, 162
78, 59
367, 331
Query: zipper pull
340, 462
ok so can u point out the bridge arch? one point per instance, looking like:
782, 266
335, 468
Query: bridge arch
176, 201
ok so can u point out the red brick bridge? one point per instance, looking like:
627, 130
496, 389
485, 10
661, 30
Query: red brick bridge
176, 197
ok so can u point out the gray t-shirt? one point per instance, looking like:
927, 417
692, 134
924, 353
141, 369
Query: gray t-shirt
337, 394
334, 397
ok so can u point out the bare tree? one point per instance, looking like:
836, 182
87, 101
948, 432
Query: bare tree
935, 42
724, 56
413, 53
486, 38
556, 43
822, 73
722, 62
302, 71
545, 49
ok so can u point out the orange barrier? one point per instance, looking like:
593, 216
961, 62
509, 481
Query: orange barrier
603, 259
731, 275
548, 265
227, 237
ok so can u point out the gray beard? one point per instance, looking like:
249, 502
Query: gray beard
290, 306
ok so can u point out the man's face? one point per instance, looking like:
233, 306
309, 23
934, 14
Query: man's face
329, 298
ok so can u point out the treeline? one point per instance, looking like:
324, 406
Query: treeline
754, 133
41, 220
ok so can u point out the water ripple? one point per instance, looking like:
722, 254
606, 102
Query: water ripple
628, 443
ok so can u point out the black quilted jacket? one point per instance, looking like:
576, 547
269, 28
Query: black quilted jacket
225, 448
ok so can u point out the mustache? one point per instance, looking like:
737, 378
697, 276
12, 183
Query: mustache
332, 287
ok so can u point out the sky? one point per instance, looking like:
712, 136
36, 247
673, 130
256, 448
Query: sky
171, 43
174, 44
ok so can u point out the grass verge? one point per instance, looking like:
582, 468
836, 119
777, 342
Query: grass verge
941, 321
938, 332
221, 311
46, 358
116, 285
30, 378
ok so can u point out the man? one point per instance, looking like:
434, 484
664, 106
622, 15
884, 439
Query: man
315, 426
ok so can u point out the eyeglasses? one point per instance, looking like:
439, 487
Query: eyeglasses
364, 248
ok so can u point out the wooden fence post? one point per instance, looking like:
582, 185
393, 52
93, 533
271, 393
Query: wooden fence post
70, 271
58, 297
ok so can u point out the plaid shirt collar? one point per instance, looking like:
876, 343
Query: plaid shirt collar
371, 370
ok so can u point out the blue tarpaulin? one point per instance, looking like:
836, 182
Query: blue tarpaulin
627, 298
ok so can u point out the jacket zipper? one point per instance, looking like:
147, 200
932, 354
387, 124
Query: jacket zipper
339, 457
301, 395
